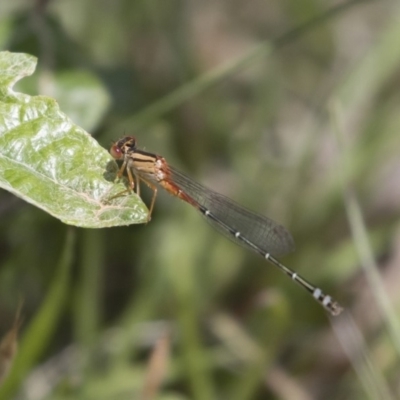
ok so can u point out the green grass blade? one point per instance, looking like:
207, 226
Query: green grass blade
38, 334
218, 74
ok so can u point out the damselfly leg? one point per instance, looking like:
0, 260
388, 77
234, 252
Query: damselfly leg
134, 180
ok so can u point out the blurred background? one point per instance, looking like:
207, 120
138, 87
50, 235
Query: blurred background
289, 107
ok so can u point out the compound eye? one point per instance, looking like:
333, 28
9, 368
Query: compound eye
116, 152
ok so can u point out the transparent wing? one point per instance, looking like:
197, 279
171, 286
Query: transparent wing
263, 232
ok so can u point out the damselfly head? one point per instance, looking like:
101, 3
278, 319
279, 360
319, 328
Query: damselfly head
123, 146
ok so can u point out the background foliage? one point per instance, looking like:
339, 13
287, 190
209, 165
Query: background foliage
298, 121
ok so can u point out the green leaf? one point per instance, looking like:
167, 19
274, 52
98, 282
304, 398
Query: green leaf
82, 96
79, 93
54, 164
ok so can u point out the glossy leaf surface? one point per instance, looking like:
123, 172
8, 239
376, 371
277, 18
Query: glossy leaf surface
54, 164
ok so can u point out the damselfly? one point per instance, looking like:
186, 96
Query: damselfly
248, 229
